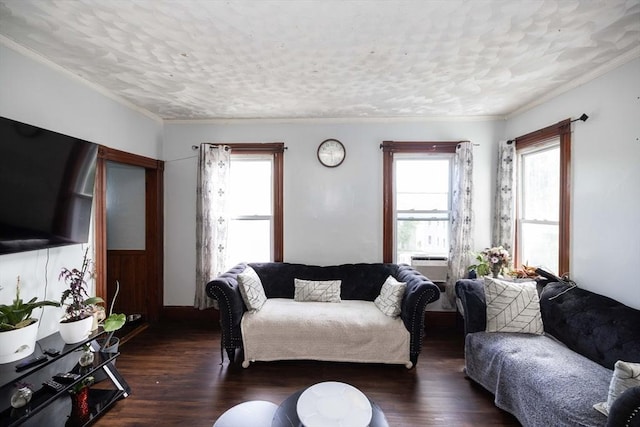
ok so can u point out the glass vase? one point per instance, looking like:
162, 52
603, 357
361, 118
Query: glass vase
80, 411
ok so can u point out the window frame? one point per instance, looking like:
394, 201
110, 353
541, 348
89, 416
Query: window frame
561, 132
389, 149
276, 150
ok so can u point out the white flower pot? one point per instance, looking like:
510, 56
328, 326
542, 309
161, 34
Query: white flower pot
18, 343
74, 332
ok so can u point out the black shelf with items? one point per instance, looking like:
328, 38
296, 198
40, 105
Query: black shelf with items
53, 408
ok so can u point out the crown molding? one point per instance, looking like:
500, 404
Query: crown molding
334, 120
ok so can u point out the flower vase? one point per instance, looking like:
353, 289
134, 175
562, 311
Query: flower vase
80, 412
495, 270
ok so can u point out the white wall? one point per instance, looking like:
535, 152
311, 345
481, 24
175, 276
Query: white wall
605, 205
331, 216
35, 93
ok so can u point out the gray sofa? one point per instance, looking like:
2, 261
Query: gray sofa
555, 379
359, 282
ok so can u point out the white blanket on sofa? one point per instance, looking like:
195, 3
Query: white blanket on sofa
348, 331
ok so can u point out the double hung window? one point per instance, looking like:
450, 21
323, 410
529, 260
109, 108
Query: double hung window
250, 209
417, 199
543, 184
423, 205
255, 203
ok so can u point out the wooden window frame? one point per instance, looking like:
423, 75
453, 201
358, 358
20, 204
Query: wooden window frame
561, 131
276, 149
389, 148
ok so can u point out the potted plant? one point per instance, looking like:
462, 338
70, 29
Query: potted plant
18, 330
491, 260
111, 324
77, 321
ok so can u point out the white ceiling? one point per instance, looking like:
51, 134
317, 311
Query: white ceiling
194, 59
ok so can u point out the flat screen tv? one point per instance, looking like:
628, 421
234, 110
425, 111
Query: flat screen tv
46, 187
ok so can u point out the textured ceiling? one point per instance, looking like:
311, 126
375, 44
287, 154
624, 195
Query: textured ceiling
312, 59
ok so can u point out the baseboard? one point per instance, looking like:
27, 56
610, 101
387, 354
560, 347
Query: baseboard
185, 313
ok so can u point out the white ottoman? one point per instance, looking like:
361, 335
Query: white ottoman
255, 413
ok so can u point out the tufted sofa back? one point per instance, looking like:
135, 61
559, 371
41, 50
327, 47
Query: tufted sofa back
598, 327
359, 281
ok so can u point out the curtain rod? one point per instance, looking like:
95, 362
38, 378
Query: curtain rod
582, 118
196, 147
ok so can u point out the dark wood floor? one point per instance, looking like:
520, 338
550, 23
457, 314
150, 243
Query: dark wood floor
177, 379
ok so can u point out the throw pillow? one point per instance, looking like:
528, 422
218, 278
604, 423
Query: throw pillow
625, 375
390, 299
512, 307
317, 290
251, 289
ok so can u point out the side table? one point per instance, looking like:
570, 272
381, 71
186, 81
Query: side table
287, 415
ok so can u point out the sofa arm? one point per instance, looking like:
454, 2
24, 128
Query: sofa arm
419, 292
224, 289
474, 305
625, 410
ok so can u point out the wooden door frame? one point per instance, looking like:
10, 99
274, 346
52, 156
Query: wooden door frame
154, 223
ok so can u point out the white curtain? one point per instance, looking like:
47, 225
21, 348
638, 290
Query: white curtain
461, 221
503, 218
212, 221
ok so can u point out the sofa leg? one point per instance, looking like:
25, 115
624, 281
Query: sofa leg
414, 361
231, 352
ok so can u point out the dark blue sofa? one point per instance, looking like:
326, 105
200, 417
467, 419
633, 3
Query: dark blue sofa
556, 378
359, 282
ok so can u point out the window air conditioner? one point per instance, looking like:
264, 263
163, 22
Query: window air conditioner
433, 268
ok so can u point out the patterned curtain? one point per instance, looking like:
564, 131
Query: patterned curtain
211, 218
461, 221
503, 219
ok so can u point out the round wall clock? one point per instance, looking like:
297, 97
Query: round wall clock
331, 153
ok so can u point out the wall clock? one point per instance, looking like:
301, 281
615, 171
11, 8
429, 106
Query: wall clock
331, 153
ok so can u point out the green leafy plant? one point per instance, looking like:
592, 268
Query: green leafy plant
86, 382
482, 267
114, 321
18, 314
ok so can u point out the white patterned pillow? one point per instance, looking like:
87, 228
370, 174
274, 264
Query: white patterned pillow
625, 375
390, 299
512, 307
317, 290
251, 289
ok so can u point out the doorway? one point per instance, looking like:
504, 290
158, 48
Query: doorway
129, 232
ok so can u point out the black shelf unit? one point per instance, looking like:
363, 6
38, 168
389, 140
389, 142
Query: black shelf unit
53, 408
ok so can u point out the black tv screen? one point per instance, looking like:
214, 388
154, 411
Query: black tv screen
46, 187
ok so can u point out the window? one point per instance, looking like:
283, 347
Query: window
423, 205
255, 203
250, 209
416, 199
542, 219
